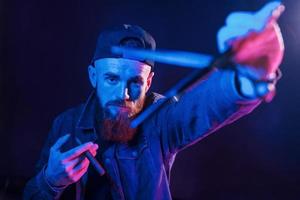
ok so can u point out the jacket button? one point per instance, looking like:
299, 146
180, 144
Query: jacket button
134, 153
107, 160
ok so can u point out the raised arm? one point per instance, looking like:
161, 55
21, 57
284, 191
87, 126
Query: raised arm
227, 95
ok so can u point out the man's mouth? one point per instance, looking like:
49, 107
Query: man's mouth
120, 107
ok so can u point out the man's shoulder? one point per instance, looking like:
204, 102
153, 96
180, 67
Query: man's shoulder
153, 97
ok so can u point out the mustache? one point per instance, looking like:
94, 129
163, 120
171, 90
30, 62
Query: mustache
120, 103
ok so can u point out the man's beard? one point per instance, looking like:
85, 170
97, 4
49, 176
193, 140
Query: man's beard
117, 128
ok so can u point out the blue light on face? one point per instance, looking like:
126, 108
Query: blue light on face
121, 84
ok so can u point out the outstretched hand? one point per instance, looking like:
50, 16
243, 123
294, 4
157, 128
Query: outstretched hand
255, 40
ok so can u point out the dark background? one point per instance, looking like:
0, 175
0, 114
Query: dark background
47, 45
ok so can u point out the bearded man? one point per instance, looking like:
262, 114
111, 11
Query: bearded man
137, 161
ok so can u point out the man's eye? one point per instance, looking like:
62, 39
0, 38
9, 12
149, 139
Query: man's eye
112, 80
137, 82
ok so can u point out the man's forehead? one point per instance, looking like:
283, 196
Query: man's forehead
121, 65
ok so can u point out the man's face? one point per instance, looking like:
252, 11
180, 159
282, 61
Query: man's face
121, 85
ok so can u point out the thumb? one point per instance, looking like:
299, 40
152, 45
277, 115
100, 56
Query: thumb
264, 15
267, 10
62, 140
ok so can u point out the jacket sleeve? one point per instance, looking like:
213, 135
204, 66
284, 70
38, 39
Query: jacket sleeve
37, 188
211, 104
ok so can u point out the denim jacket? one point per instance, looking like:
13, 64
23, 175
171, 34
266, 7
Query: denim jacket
141, 170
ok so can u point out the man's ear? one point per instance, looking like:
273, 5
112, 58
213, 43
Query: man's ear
92, 75
149, 81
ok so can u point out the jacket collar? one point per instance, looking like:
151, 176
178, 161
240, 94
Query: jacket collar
87, 118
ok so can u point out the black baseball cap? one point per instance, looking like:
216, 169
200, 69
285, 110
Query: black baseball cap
123, 35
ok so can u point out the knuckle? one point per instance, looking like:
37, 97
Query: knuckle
52, 149
73, 179
66, 170
62, 162
77, 152
89, 144
69, 174
82, 165
86, 163
85, 170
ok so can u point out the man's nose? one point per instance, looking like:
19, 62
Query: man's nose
123, 92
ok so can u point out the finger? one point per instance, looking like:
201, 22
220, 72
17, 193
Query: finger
77, 151
270, 36
255, 20
241, 19
246, 20
269, 12
278, 35
62, 140
70, 164
79, 174
94, 150
84, 163
77, 170
75, 175
226, 34
94, 153
75, 161
94, 147
277, 12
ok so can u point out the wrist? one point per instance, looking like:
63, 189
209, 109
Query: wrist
254, 89
253, 83
50, 183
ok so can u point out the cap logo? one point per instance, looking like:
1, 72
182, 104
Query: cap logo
127, 26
